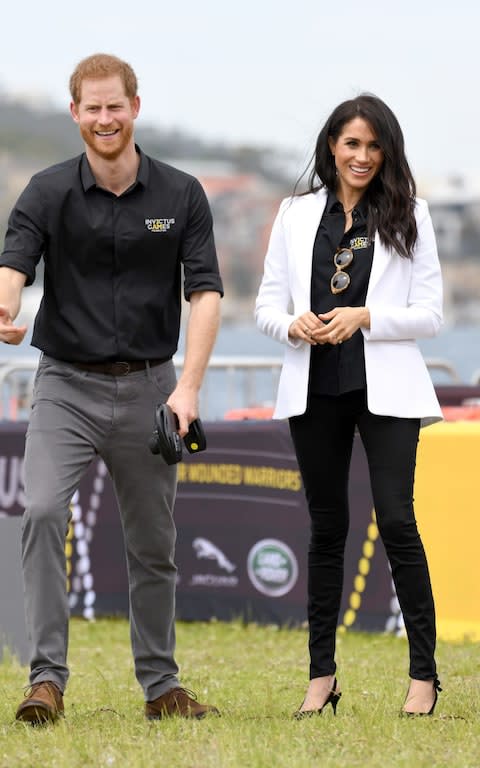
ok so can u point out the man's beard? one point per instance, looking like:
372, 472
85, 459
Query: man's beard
108, 150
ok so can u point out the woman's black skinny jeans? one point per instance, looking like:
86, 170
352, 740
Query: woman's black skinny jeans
323, 440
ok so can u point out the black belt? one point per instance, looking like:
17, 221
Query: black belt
121, 367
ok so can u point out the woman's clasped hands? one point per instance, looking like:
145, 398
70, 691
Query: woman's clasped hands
332, 327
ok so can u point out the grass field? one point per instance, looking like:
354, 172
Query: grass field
257, 677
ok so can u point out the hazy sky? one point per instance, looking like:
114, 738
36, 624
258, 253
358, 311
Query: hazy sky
268, 71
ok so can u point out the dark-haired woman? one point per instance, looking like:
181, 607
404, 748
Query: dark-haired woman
351, 280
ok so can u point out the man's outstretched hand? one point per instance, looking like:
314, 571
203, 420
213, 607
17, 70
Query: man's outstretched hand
10, 333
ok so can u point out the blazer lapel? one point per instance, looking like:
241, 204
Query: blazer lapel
305, 220
304, 223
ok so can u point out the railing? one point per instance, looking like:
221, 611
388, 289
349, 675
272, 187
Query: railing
476, 377
232, 382
444, 367
16, 387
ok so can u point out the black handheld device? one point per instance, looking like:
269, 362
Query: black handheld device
166, 440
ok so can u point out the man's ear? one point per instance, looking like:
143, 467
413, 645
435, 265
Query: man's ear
135, 106
74, 111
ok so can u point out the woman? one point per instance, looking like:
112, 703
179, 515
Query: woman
351, 279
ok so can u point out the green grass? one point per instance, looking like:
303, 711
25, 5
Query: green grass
257, 677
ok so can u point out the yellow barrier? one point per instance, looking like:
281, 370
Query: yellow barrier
447, 506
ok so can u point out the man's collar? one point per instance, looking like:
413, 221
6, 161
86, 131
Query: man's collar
88, 179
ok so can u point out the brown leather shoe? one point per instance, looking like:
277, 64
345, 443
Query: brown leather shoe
178, 701
43, 704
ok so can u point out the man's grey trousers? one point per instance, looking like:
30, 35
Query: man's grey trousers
77, 415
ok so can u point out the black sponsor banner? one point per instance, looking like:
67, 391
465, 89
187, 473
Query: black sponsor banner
243, 533
12, 443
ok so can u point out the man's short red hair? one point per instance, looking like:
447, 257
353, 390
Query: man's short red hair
102, 65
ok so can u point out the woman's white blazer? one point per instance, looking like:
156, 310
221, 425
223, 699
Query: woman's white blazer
404, 298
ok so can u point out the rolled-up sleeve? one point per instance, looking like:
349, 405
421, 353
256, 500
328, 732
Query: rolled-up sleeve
25, 237
199, 256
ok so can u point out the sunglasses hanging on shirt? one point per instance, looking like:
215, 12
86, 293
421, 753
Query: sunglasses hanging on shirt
342, 259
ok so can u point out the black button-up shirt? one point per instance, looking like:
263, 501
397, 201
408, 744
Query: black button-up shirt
113, 264
335, 369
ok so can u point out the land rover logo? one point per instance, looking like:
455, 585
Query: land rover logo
272, 567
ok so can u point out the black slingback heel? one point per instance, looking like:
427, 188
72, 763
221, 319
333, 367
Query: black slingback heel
436, 689
333, 699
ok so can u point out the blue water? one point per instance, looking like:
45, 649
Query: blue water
460, 346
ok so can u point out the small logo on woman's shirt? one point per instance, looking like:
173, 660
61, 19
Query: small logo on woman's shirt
359, 242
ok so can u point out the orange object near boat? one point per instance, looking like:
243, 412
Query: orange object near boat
450, 413
461, 412
244, 414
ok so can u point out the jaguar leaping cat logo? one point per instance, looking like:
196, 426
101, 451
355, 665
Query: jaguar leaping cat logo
206, 549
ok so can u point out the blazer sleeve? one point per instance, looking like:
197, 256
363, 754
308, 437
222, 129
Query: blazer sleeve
416, 310
273, 304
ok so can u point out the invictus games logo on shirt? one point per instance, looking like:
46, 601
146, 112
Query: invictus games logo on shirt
359, 242
272, 567
159, 225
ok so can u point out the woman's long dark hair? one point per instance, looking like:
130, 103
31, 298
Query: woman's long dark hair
391, 194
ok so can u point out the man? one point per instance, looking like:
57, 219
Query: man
114, 228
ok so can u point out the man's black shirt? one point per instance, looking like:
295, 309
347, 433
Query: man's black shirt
335, 369
113, 264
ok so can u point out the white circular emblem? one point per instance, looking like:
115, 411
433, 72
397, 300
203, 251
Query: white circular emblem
272, 567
